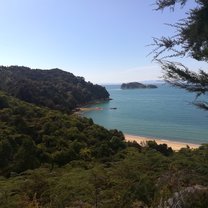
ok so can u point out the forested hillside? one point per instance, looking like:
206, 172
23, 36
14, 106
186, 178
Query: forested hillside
31, 136
53, 88
49, 159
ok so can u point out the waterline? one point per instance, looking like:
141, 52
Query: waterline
164, 112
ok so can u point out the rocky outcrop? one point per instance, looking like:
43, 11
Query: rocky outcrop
194, 196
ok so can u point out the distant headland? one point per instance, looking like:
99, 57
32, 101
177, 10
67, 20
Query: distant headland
137, 85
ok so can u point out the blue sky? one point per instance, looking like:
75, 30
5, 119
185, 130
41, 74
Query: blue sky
104, 41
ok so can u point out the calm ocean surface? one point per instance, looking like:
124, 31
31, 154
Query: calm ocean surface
165, 113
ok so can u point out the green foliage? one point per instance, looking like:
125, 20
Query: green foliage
3, 102
31, 136
162, 148
117, 144
143, 177
191, 36
53, 88
5, 152
26, 156
190, 39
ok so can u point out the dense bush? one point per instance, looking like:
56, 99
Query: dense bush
53, 88
31, 136
53, 159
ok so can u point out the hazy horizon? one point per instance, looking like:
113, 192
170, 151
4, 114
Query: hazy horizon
142, 81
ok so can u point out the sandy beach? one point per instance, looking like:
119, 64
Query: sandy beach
175, 145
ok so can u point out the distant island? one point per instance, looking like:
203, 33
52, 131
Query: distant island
137, 85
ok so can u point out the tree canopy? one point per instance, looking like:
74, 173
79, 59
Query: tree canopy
53, 88
190, 40
32, 135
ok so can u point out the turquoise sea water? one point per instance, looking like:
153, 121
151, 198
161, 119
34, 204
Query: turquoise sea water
165, 112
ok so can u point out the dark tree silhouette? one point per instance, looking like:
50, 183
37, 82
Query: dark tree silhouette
190, 40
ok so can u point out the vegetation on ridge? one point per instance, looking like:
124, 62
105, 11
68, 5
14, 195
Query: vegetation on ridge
51, 159
31, 136
53, 88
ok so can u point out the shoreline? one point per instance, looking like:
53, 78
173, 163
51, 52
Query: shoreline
86, 107
80, 111
175, 145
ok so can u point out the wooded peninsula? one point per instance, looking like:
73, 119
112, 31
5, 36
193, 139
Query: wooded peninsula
50, 157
